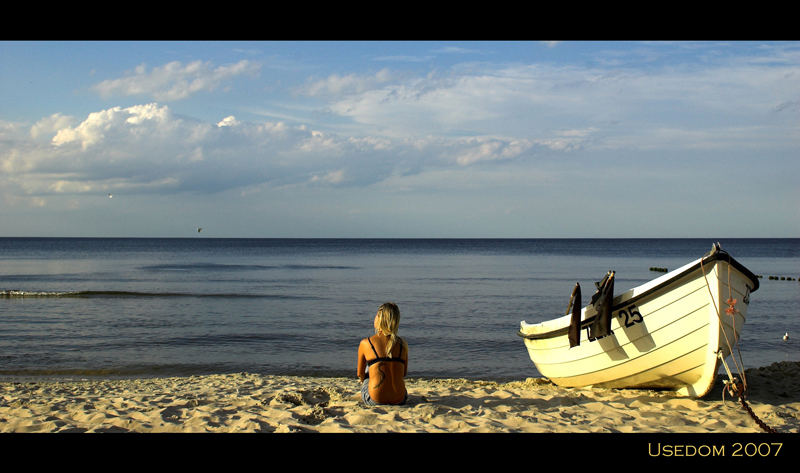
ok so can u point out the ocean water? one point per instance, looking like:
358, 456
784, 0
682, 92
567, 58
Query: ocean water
83, 307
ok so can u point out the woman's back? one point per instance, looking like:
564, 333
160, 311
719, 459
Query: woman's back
383, 359
386, 373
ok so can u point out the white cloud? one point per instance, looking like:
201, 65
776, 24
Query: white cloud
537, 101
333, 177
146, 148
174, 80
337, 85
414, 129
147, 119
49, 125
228, 121
490, 149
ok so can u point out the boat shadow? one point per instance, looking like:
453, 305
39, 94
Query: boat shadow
775, 386
638, 336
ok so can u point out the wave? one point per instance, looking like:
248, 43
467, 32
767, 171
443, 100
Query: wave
167, 370
236, 267
125, 371
13, 294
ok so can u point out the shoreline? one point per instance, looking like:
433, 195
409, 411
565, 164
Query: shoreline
246, 402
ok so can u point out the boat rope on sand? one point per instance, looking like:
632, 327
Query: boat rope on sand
732, 385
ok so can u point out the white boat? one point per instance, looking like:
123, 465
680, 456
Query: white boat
670, 333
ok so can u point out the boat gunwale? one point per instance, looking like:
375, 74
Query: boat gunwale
720, 255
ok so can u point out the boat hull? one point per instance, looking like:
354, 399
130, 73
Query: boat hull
667, 334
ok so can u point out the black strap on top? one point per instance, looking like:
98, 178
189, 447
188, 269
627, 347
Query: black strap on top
385, 358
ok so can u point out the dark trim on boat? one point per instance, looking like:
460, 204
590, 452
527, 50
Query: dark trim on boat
719, 255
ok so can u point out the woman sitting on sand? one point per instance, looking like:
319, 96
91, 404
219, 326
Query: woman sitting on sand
383, 360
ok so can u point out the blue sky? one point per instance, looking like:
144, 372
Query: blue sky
400, 139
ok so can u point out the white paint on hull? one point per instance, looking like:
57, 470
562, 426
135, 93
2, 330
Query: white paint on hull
674, 345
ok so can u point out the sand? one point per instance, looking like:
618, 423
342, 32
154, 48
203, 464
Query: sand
245, 402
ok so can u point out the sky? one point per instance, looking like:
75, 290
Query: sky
391, 139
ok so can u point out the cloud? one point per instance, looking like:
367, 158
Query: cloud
228, 121
337, 85
108, 124
476, 119
49, 125
539, 101
148, 149
174, 80
333, 177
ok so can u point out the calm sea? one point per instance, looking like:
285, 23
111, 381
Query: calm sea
166, 307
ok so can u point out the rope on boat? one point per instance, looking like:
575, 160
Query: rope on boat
732, 385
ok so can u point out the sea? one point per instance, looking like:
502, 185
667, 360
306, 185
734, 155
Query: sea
81, 308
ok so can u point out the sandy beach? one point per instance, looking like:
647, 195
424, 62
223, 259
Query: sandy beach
244, 402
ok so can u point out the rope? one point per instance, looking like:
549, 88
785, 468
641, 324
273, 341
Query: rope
737, 388
719, 319
733, 385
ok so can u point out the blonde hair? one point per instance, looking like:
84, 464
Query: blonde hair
388, 324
